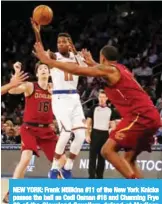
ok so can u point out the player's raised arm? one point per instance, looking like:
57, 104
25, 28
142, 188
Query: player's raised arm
98, 70
88, 57
36, 28
22, 87
15, 81
71, 46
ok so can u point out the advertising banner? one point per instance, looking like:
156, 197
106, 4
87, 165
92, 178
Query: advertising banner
150, 164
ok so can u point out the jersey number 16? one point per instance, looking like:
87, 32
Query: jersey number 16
43, 106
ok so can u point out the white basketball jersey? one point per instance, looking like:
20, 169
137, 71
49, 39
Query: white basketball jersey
62, 80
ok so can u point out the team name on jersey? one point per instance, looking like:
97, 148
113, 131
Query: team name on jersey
44, 96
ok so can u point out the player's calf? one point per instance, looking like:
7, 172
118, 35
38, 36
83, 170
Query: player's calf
59, 150
130, 157
22, 165
6, 198
110, 153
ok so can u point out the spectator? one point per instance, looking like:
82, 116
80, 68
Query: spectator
143, 71
8, 137
159, 103
94, 92
152, 57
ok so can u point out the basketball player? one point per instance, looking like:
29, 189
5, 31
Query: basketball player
66, 104
140, 118
38, 116
16, 80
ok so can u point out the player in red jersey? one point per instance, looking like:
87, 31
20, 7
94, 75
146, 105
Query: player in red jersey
38, 116
140, 119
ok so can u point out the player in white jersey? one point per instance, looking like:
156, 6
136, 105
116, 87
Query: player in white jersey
66, 105
67, 108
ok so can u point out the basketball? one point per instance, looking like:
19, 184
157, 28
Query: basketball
42, 15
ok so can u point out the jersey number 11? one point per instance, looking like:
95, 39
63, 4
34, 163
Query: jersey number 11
68, 77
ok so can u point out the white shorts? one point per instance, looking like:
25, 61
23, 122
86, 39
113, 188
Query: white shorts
68, 111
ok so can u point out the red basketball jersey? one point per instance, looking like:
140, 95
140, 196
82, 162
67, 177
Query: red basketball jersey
38, 107
127, 95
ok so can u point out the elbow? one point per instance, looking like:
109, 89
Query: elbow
10, 92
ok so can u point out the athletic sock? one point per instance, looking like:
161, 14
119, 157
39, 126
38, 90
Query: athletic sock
69, 164
55, 164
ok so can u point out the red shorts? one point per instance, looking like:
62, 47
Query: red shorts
137, 131
34, 137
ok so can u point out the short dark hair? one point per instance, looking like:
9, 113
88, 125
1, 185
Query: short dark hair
37, 66
110, 52
67, 35
101, 91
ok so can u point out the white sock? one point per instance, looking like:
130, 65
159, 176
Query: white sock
55, 164
69, 164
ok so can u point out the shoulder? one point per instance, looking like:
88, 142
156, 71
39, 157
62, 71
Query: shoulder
26, 85
30, 84
71, 54
29, 88
56, 53
109, 109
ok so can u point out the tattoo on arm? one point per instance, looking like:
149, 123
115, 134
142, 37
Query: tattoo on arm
100, 66
108, 68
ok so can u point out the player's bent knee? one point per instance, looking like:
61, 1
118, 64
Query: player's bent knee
78, 141
130, 158
62, 142
127, 157
104, 152
108, 148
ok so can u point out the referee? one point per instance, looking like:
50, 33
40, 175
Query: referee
98, 123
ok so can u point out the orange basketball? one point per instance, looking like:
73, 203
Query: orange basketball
43, 15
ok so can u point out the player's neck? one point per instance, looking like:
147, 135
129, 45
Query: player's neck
110, 62
67, 54
43, 84
102, 105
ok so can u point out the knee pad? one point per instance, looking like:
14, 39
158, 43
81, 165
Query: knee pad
78, 141
62, 142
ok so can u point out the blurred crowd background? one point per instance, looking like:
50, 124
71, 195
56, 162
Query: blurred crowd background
134, 27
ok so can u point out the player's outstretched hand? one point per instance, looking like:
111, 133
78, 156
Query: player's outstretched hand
36, 27
88, 57
40, 53
71, 46
17, 67
18, 79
